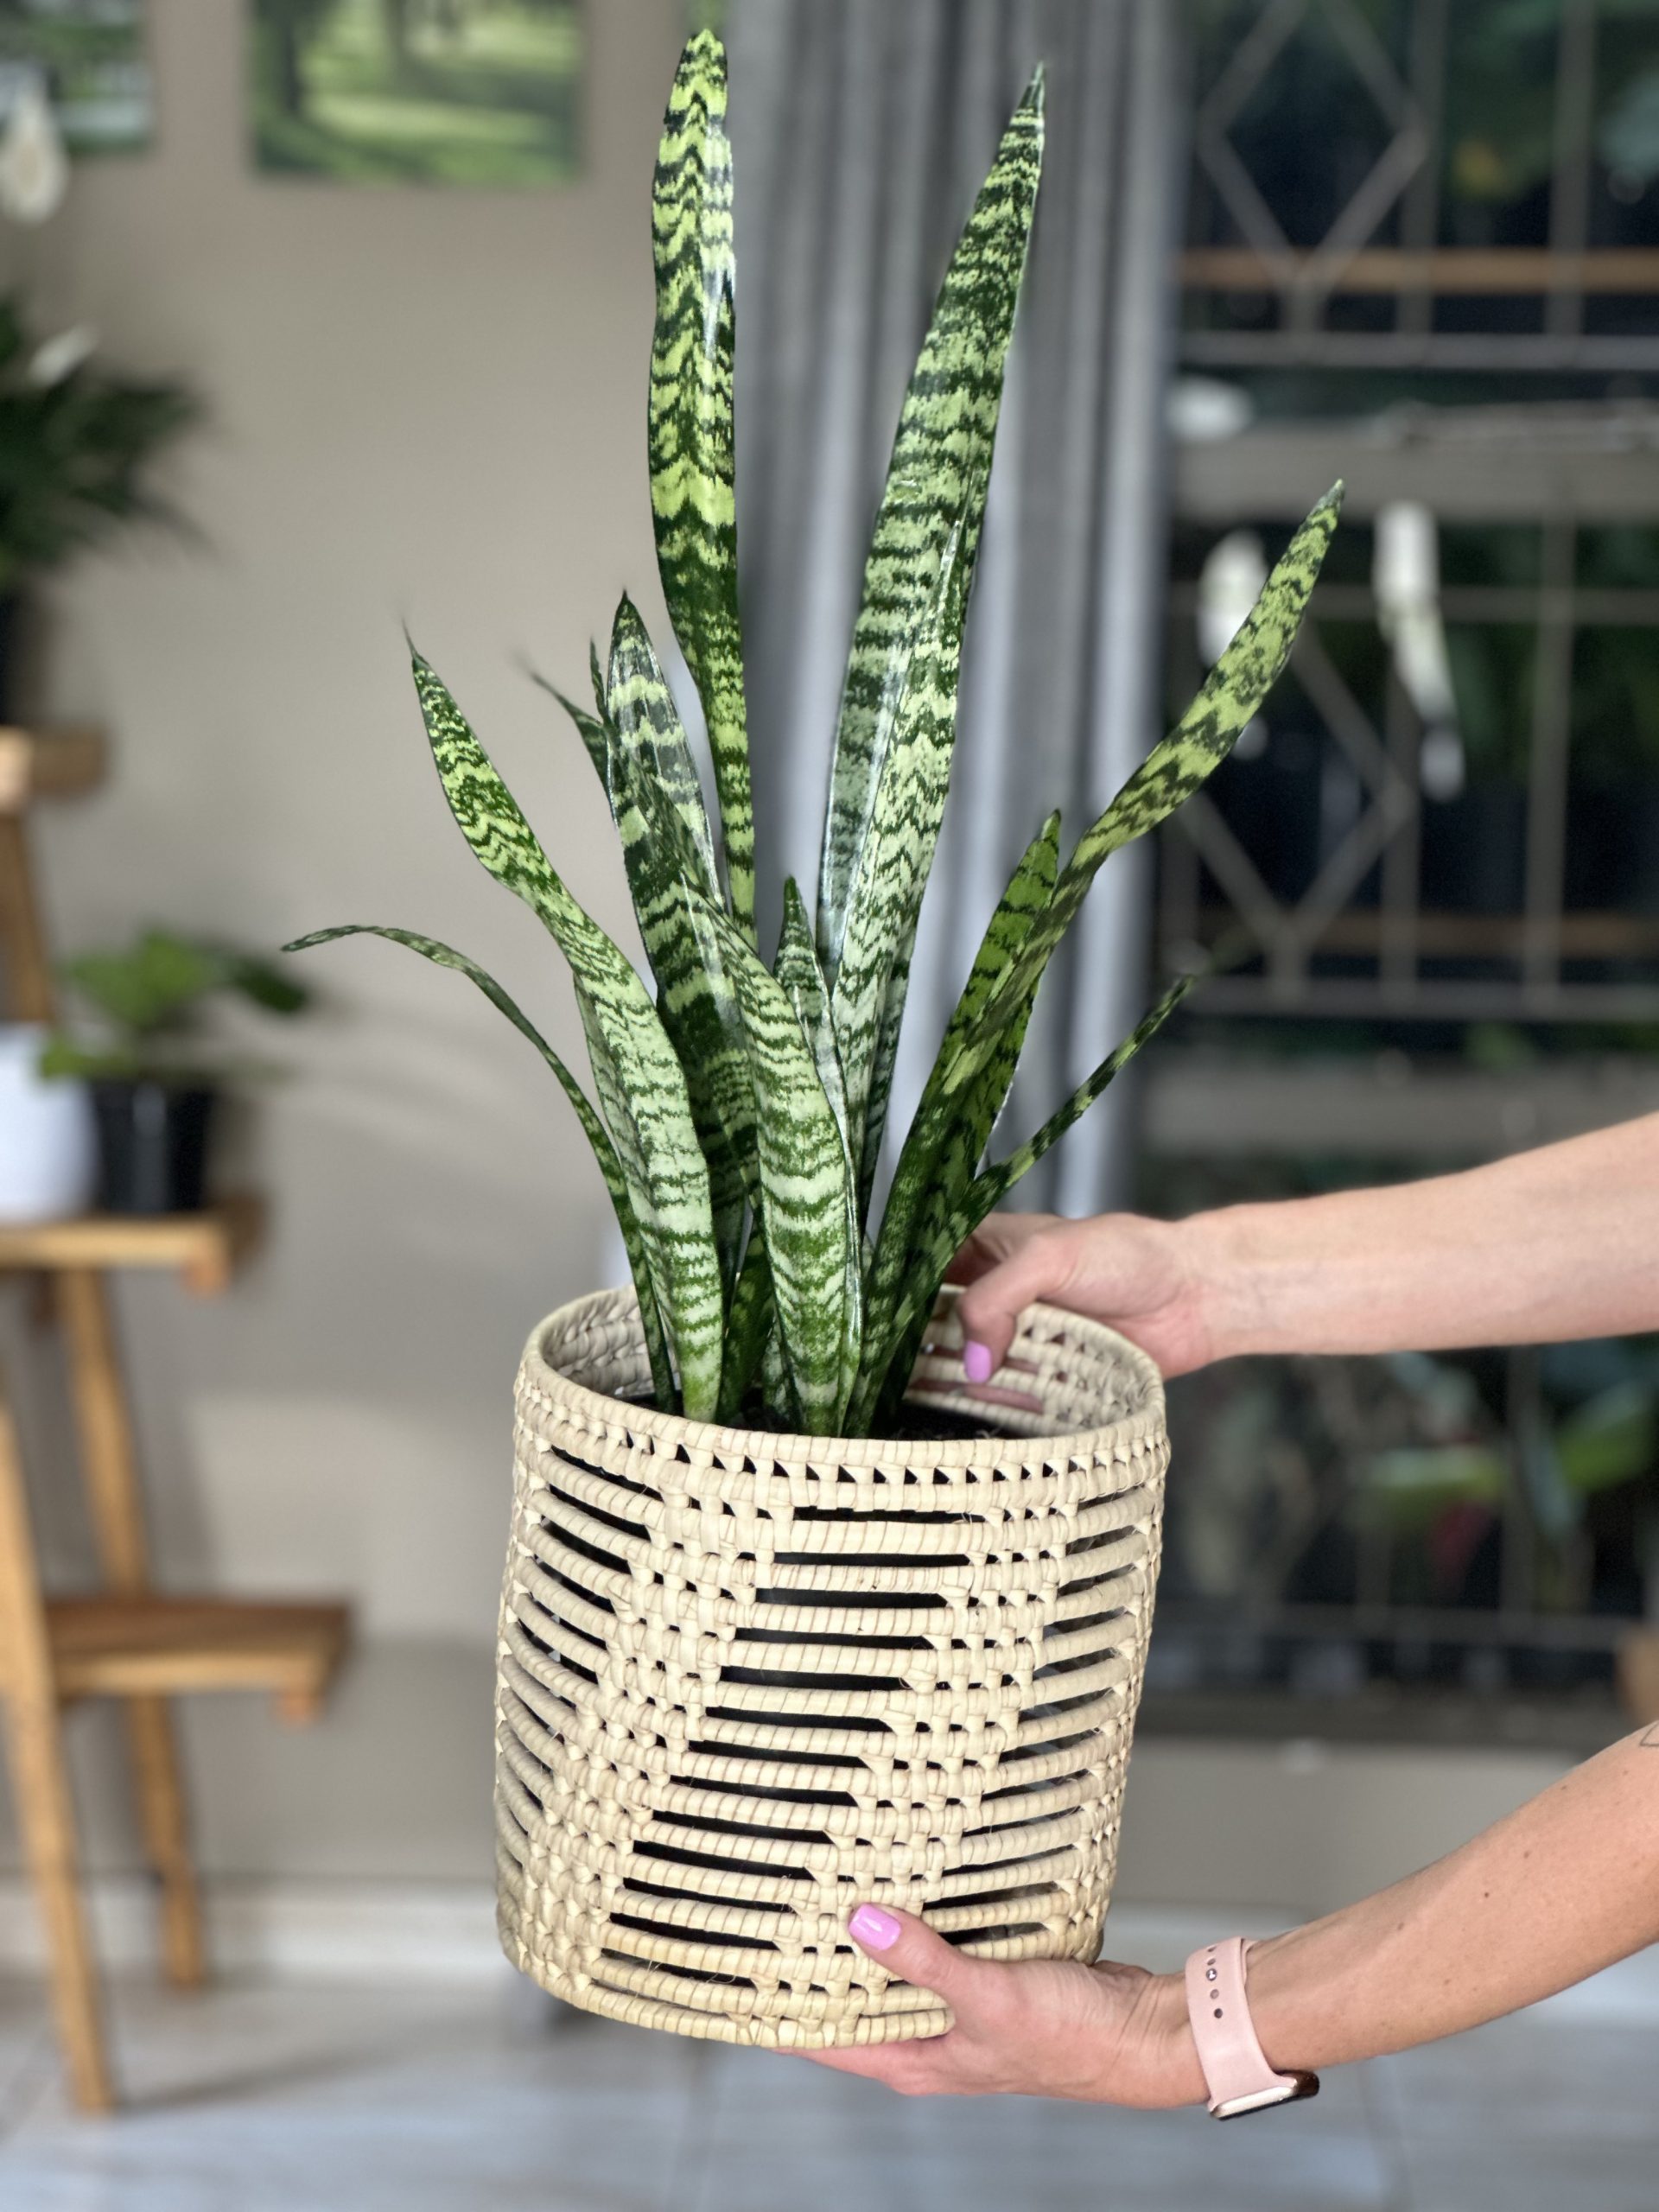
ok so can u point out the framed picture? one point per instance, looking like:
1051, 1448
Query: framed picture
417, 92
91, 57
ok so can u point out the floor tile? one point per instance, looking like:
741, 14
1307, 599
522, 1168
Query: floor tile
278, 2101
1476, 2173
286, 2098
1589, 2082
25, 2049
780, 2133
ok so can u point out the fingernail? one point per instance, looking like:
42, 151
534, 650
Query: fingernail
875, 1930
977, 1361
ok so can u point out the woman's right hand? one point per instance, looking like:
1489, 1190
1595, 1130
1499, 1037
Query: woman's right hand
1136, 1274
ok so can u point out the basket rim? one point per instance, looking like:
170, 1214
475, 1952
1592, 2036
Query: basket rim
795, 1448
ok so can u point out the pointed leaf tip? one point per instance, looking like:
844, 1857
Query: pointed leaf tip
1036, 91
705, 45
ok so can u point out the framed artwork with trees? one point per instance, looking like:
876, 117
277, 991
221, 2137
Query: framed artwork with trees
90, 60
483, 92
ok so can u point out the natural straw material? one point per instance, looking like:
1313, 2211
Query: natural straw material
748, 1681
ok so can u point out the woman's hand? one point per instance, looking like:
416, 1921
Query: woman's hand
1137, 1275
1046, 2028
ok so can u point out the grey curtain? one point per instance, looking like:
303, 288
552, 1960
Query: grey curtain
862, 129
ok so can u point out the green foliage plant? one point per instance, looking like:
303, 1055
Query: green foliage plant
739, 1114
75, 445
150, 997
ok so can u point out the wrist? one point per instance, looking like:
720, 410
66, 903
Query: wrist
1224, 1288
1174, 2076
1300, 2004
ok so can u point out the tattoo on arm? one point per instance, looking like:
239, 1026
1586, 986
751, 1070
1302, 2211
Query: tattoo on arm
1649, 1741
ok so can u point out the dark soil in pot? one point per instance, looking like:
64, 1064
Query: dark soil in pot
152, 1144
916, 1424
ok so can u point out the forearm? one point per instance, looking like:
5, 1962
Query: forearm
1562, 1888
1556, 1243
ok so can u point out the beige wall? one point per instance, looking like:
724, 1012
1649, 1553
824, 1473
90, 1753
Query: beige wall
426, 406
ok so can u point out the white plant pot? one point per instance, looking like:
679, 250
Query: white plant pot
48, 1142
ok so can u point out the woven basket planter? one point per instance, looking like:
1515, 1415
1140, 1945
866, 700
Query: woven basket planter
748, 1681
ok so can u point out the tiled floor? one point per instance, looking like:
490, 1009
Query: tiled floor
281, 2099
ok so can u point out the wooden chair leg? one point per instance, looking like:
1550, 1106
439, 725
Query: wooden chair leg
163, 1821
46, 1818
46, 1811
109, 1462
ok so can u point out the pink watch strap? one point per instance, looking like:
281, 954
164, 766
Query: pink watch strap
1236, 2068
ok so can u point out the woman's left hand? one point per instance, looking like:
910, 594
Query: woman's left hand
1105, 2034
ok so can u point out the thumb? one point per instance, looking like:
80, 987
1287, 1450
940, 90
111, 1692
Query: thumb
989, 1309
916, 1954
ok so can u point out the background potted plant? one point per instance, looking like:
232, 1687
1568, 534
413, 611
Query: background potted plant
775, 1636
153, 1076
76, 444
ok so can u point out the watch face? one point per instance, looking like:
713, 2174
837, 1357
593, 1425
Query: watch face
1288, 2092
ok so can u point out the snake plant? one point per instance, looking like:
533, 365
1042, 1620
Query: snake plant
739, 1110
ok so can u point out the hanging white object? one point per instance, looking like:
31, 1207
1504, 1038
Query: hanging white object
34, 167
1228, 586
1406, 578
1202, 410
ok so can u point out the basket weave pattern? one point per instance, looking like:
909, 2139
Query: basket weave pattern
748, 1681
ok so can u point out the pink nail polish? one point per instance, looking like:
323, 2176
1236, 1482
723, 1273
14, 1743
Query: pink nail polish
875, 1930
977, 1361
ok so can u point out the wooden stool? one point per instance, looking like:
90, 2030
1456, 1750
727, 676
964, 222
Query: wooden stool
124, 1639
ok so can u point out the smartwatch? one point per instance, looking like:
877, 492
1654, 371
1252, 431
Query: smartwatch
1236, 2071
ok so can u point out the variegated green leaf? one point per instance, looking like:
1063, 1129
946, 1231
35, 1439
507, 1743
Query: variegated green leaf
657, 806
897, 714
799, 971
692, 481
640, 707
805, 1193
595, 738
646, 1109
749, 1324
802, 980
610, 1166
947, 1137
884, 1381
1173, 770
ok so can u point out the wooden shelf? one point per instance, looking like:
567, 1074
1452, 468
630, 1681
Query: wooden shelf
47, 764
205, 1248
1507, 271
156, 1646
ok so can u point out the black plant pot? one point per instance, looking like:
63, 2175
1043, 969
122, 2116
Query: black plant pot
152, 1144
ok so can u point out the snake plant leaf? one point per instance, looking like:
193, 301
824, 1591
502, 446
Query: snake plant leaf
445, 956
657, 806
947, 1138
596, 739
1173, 771
649, 1110
869, 998
640, 707
749, 1323
806, 1202
885, 1380
693, 500
802, 979
897, 724
798, 971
